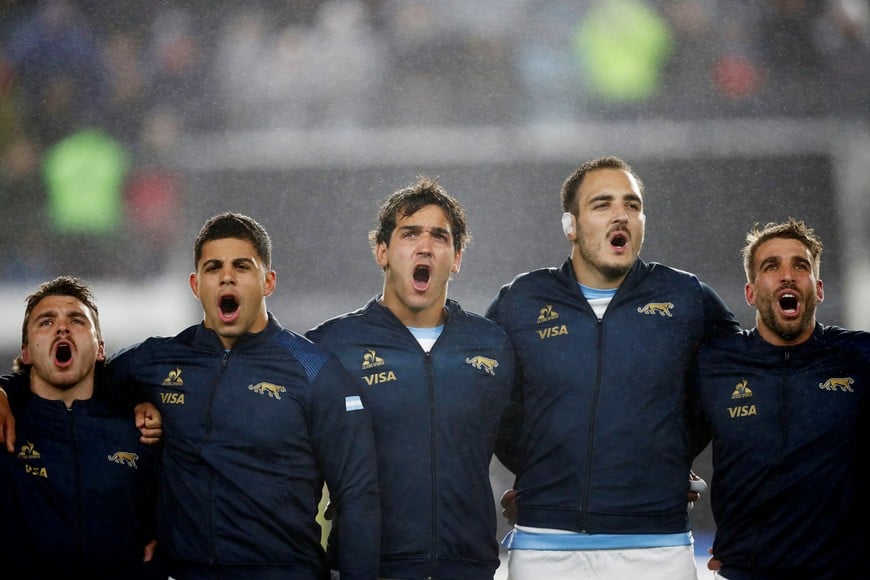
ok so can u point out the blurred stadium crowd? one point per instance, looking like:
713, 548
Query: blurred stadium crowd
95, 95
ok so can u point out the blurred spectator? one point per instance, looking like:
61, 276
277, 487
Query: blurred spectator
11, 120
688, 88
445, 69
180, 74
623, 46
843, 36
84, 174
714, 69
485, 87
249, 77
55, 53
794, 85
420, 90
299, 75
127, 85
153, 197
349, 59
302, 75
548, 73
22, 197
738, 72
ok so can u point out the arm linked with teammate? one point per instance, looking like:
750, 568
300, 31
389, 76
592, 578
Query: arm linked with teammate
7, 423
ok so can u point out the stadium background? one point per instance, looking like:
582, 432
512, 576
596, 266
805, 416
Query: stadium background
124, 125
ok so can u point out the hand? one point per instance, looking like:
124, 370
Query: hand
696, 487
713, 563
149, 421
509, 505
149, 550
7, 424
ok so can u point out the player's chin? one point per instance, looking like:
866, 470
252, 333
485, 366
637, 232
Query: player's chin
232, 329
420, 301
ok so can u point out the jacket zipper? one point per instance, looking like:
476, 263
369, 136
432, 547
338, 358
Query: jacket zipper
433, 547
206, 436
71, 422
593, 416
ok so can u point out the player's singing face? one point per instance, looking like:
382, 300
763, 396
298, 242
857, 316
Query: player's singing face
785, 291
610, 227
417, 263
231, 282
62, 346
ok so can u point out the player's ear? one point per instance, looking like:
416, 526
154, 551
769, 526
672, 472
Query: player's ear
381, 256
271, 281
569, 225
194, 284
457, 262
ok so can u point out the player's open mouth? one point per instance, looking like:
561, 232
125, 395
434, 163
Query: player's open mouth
618, 239
788, 303
229, 307
62, 354
422, 274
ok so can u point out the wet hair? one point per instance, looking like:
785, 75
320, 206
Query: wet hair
60, 286
572, 184
411, 199
793, 229
238, 226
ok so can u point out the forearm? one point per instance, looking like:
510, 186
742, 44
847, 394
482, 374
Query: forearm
356, 537
7, 421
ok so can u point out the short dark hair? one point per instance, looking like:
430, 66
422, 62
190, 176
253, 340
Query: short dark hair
411, 199
572, 184
60, 286
793, 229
234, 225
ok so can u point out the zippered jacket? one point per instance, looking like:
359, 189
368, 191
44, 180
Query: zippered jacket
250, 436
78, 493
597, 432
791, 435
435, 419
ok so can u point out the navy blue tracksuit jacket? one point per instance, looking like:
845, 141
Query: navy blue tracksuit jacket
435, 418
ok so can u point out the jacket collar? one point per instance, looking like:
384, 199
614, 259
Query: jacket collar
207, 336
374, 305
810, 345
637, 273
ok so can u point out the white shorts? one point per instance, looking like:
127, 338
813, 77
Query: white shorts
661, 563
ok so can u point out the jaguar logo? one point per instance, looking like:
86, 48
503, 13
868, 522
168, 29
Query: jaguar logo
660, 308
127, 458
484, 364
839, 383
274, 391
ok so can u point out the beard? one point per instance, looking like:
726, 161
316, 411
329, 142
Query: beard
792, 329
610, 271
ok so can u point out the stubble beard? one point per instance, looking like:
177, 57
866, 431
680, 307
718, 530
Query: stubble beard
787, 331
613, 272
